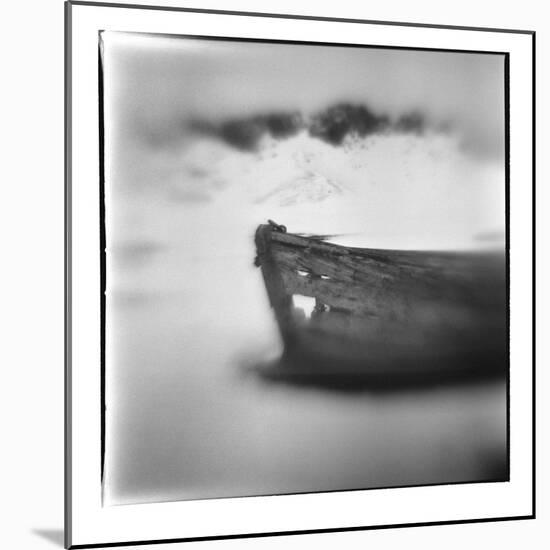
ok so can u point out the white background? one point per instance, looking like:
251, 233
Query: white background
32, 237
94, 523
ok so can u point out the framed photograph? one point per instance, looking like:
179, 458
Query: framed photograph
299, 274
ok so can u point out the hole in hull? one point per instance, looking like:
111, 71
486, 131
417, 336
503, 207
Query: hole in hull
304, 303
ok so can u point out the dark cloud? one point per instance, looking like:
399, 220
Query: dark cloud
331, 125
337, 122
245, 133
414, 123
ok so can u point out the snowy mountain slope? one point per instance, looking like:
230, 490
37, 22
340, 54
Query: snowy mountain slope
394, 190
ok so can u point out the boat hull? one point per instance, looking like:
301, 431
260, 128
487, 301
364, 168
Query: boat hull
384, 311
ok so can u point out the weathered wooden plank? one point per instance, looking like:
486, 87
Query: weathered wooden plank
338, 285
426, 265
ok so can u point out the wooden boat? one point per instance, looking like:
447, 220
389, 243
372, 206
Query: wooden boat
384, 311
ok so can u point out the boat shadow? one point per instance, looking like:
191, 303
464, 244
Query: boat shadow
281, 372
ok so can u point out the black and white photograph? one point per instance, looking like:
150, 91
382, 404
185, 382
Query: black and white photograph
306, 267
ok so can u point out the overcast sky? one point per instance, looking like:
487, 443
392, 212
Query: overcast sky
159, 82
